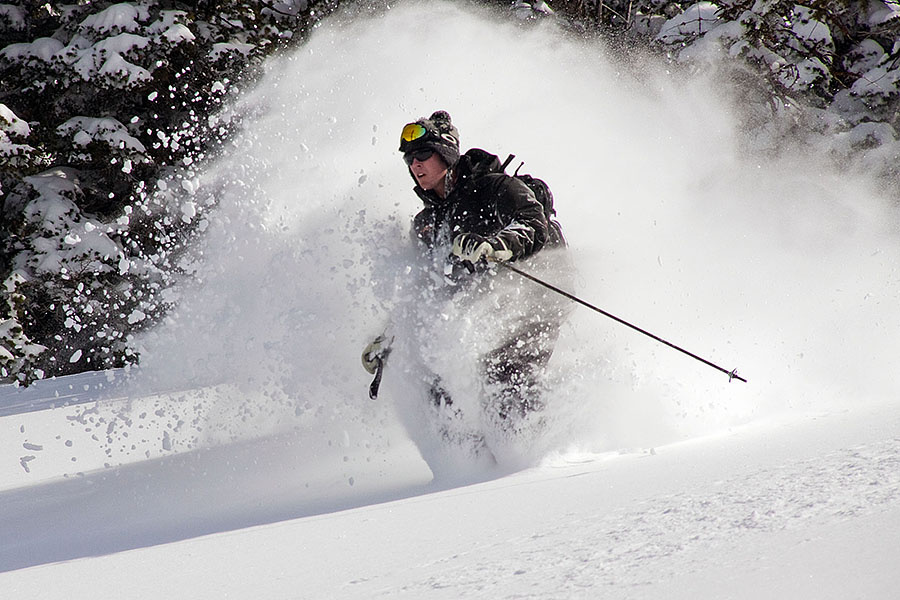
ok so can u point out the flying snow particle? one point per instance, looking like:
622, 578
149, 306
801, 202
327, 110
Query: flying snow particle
136, 316
24, 460
188, 209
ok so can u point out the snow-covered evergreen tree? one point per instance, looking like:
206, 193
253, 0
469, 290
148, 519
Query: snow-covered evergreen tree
829, 66
104, 116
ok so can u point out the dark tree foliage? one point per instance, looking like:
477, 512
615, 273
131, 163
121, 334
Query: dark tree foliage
107, 108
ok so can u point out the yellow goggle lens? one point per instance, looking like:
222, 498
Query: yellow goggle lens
413, 131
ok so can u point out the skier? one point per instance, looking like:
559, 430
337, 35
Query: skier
475, 215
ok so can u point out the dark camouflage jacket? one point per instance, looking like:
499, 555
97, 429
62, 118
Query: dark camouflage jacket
486, 201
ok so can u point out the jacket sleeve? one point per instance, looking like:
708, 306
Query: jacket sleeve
525, 226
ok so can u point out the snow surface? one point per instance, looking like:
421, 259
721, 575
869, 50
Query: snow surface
118, 17
803, 507
245, 460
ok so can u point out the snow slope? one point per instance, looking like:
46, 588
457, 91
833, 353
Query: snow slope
245, 460
807, 507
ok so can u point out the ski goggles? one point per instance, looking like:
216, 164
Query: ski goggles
412, 131
419, 155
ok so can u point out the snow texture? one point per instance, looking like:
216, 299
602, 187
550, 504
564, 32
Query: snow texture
245, 459
693, 22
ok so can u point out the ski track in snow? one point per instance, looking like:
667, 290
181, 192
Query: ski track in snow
609, 549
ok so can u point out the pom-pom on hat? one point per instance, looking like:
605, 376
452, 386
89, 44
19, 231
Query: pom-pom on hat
436, 133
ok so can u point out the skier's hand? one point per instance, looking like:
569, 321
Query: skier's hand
374, 354
472, 248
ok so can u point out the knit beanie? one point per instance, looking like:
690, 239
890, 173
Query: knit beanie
435, 133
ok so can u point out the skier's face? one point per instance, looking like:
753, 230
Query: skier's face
430, 173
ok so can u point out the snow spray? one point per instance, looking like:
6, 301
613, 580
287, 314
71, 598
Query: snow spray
778, 263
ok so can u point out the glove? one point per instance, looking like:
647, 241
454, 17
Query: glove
472, 248
375, 353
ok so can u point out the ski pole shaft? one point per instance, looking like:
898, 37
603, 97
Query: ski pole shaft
731, 374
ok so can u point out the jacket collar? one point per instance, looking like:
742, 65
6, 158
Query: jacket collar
472, 165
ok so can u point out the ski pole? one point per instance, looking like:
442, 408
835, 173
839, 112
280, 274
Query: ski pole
731, 374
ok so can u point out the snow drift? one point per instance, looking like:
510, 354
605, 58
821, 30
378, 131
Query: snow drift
780, 266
